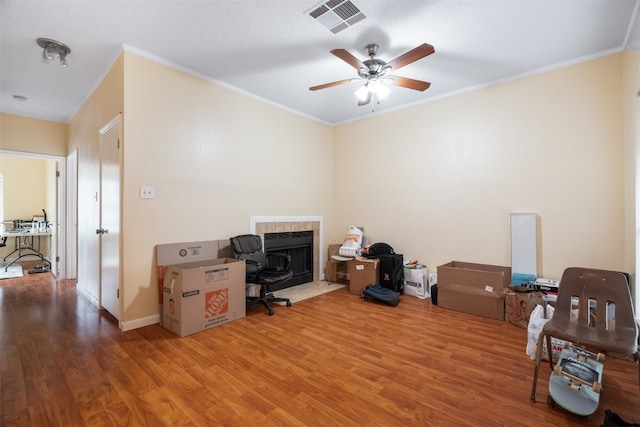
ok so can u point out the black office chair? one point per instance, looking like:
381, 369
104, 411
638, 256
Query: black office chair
265, 270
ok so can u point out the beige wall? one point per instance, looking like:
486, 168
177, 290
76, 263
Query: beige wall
25, 186
215, 158
102, 106
28, 135
443, 177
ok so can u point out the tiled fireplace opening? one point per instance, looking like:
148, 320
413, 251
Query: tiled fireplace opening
263, 226
299, 246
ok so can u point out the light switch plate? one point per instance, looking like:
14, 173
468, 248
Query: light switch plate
147, 192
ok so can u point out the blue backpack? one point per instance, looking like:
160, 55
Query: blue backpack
378, 293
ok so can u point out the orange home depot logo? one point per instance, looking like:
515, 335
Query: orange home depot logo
216, 302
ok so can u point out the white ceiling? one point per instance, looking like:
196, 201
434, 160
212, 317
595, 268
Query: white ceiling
273, 50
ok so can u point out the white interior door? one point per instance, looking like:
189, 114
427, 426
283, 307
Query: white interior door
109, 229
55, 230
71, 257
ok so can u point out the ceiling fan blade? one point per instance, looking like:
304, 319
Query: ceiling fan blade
366, 101
419, 52
348, 58
411, 83
332, 84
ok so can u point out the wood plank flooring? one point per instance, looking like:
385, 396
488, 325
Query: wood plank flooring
334, 360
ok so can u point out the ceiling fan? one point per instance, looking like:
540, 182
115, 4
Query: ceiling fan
377, 73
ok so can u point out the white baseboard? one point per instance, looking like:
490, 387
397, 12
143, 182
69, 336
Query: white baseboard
140, 323
124, 326
92, 299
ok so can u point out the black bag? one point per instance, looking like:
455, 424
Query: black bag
384, 295
611, 419
392, 272
378, 249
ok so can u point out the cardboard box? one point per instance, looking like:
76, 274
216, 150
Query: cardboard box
362, 272
202, 295
333, 250
518, 307
473, 288
181, 253
336, 271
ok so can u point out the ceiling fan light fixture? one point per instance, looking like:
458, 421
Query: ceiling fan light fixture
362, 93
373, 87
379, 88
52, 49
382, 91
375, 72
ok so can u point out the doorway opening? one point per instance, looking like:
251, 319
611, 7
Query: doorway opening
52, 197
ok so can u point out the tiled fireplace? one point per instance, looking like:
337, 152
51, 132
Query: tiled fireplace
261, 225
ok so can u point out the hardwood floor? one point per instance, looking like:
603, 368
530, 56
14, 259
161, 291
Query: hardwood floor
334, 360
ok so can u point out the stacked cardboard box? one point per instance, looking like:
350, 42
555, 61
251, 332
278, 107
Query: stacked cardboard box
362, 273
335, 271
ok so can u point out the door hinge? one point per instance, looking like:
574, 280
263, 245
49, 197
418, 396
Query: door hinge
118, 293
118, 143
57, 174
57, 259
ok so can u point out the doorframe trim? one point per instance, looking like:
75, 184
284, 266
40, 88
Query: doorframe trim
106, 128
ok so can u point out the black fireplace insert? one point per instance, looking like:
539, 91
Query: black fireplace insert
298, 244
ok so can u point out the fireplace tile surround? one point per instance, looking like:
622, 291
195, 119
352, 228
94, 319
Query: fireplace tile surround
262, 225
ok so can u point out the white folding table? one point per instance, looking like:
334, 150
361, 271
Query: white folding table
27, 243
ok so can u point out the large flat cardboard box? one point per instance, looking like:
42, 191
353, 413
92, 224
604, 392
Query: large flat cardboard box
362, 273
202, 295
473, 288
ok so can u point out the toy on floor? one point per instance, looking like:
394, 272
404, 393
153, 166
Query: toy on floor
576, 381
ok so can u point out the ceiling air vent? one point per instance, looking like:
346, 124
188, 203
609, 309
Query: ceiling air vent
336, 15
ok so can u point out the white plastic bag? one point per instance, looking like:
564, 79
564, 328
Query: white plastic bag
352, 243
536, 323
416, 283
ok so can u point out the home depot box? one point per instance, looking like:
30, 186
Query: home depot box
362, 272
473, 288
203, 294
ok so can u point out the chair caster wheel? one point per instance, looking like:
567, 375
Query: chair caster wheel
271, 312
288, 303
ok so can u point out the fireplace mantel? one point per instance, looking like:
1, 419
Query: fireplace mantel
278, 224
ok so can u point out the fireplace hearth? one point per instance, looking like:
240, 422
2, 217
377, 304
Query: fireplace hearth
299, 245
